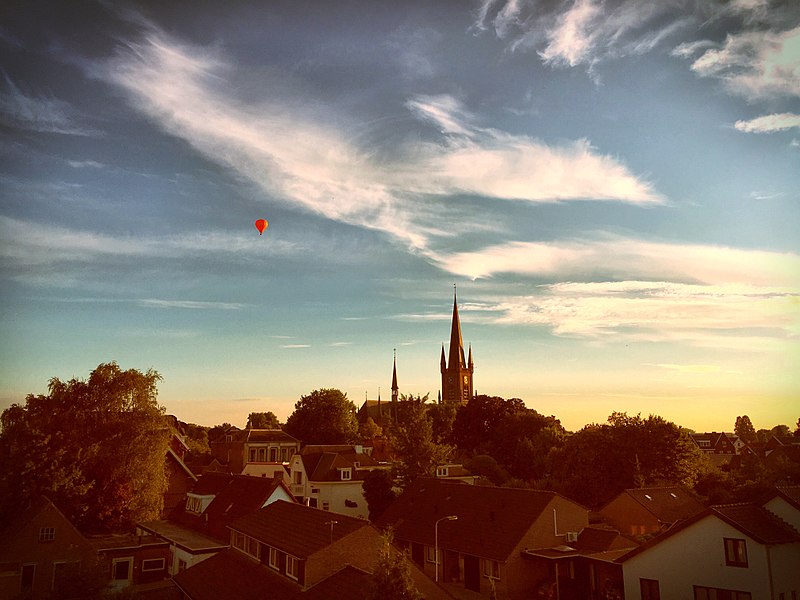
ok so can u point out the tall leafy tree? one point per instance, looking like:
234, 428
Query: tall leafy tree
96, 447
391, 579
744, 429
475, 423
324, 416
412, 440
379, 492
263, 420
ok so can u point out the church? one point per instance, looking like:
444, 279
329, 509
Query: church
456, 371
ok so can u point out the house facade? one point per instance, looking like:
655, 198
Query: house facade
133, 559
40, 552
741, 552
331, 478
259, 452
484, 545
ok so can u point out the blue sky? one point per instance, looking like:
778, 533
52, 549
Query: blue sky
613, 186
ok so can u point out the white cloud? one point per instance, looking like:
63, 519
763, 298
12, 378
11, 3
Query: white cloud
573, 37
294, 346
301, 153
190, 304
769, 123
755, 64
639, 259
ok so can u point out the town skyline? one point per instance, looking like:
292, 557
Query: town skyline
613, 187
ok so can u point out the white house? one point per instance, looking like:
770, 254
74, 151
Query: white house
731, 552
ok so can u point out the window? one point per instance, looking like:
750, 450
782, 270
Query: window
181, 565
262, 455
491, 569
253, 457
237, 540
649, 589
26, 577
346, 474
47, 534
273, 558
194, 504
704, 443
273, 455
292, 567
153, 564
442, 471
735, 552
706, 593
298, 477
430, 554
326, 506
252, 547
121, 569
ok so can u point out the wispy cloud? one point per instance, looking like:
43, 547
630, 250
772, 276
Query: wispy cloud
45, 115
755, 64
296, 152
694, 369
190, 304
769, 123
293, 346
608, 257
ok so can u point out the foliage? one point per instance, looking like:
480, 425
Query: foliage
525, 443
744, 429
391, 579
599, 461
263, 420
325, 416
411, 438
443, 416
96, 448
486, 466
196, 439
369, 429
475, 423
219, 430
379, 491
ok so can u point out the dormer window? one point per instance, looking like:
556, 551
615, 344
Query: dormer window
346, 474
442, 471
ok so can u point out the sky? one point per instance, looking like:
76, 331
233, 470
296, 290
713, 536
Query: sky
613, 187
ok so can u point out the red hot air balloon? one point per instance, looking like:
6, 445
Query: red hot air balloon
261, 225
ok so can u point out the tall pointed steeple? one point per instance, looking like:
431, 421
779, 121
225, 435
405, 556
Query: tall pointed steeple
395, 389
457, 371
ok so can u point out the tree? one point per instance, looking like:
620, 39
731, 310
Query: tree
263, 420
96, 448
744, 429
391, 579
379, 491
411, 438
599, 461
475, 423
369, 429
325, 416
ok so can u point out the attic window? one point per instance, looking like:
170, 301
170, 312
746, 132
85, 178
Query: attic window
47, 534
442, 471
648, 496
346, 474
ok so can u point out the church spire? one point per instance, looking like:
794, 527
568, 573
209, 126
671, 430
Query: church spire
395, 389
456, 345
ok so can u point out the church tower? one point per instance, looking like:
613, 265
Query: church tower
395, 389
456, 371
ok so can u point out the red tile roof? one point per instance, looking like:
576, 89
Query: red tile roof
668, 504
491, 521
296, 529
231, 576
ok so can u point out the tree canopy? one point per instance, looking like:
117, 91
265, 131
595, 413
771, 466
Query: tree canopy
411, 436
263, 420
391, 579
324, 416
744, 429
96, 448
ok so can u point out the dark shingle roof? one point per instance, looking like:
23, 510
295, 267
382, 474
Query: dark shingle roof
211, 483
758, 523
491, 521
324, 466
231, 576
349, 583
602, 539
667, 504
296, 529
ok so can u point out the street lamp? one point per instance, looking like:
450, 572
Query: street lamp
436, 541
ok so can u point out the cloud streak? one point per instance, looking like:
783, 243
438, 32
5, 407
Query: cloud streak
769, 123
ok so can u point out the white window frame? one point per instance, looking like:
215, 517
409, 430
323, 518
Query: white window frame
115, 562
292, 567
430, 554
146, 569
442, 471
22, 573
47, 534
346, 474
491, 569
274, 559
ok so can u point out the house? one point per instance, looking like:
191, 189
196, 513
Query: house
719, 447
481, 533
784, 502
455, 472
331, 478
738, 551
288, 551
647, 511
132, 560
260, 452
180, 477
199, 529
781, 449
41, 551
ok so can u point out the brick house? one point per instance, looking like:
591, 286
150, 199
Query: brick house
287, 550
648, 511
254, 451
40, 551
132, 559
488, 540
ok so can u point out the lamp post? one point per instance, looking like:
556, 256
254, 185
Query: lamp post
436, 541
